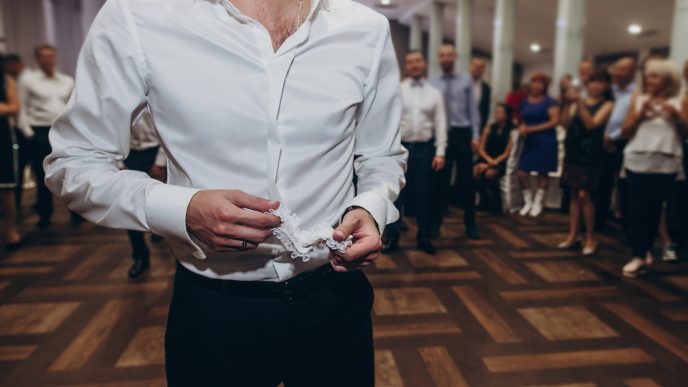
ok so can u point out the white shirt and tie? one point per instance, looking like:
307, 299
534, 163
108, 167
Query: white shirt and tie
424, 116
292, 125
43, 98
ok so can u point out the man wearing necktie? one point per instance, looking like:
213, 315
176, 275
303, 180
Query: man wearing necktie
424, 134
464, 131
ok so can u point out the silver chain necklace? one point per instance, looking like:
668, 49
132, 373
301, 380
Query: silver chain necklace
298, 18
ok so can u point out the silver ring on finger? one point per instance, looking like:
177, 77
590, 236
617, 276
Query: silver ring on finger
243, 244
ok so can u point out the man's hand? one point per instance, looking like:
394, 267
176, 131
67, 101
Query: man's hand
475, 144
438, 163
230, 221
367, 243
523, 130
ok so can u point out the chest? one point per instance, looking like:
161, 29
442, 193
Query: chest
45, 90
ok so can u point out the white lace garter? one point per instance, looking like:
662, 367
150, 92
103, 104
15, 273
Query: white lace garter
301, 243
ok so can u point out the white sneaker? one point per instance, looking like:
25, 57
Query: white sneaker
526, 209
670, 254
537, 208
635, 267
528, 202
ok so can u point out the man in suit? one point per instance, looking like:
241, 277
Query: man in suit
481, 89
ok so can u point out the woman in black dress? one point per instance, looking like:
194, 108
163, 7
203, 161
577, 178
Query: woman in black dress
585, 121
494, 149
9, 106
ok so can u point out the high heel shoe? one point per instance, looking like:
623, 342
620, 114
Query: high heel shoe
589, 251
568, 246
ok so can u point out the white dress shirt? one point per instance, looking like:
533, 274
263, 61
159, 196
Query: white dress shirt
423, 117
292, 125
42, 98
478, 91
143, 132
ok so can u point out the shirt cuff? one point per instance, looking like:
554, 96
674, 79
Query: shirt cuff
166, 207
382, 210
615, 135
441, 151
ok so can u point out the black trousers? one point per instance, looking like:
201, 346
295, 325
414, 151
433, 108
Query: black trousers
647, 192
420, 180
25, 157
322, 337
677, 207
611, 167
41, 149
142, 161
459, 152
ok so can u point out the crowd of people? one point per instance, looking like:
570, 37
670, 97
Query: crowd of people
30, 101
624, 151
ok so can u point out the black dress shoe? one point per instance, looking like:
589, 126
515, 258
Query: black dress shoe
426, 246
390, 245
139, 267
14, 246
44, 223
156, 238
472, 232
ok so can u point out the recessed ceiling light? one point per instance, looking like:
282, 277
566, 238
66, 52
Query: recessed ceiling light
534, 47
385, 2
635, 29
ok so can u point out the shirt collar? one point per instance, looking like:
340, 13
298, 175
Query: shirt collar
324, 4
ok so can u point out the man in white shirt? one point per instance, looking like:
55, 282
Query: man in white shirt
257, 105
424, 134
43, 94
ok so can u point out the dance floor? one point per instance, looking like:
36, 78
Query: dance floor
509, 310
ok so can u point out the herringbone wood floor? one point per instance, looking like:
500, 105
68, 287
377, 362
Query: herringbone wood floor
507, 311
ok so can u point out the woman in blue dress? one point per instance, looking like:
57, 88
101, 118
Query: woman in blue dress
540, 114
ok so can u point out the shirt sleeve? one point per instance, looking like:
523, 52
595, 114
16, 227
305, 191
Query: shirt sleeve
473, 112
440, 126
23, 123
94, 133
380, 159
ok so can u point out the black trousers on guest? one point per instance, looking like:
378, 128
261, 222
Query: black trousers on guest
611, 167
420, 181
25, 157
459, 152
41, 149
677, 207
647, 193
313, 330
142, 161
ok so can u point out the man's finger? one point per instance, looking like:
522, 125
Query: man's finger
345, 229
360, 249
244, 200
258, 219
249, 234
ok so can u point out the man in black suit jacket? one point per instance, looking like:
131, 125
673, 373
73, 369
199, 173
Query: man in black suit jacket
482, 91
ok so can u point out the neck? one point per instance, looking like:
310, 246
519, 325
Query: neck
266, 8
417, 78
49, 73
624, 84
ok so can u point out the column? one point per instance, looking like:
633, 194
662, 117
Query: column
464, 27
503, 49
679, 48
569, 40
416, 41
436, 35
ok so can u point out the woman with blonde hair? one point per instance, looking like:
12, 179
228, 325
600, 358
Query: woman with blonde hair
653, 158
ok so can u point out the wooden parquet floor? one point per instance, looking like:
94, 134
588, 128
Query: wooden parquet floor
509, 310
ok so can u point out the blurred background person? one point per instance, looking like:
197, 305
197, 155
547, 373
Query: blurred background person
540, 148
142, 157
585, 69
44, 94
14, 68
424, 134
677, 205
515, 100
464, 132
9, 160
481, 89
585, 121
623, 88
653, 158
493, 152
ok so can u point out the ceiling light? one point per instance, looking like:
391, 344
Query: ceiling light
534, 47
635, 29
385, 2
